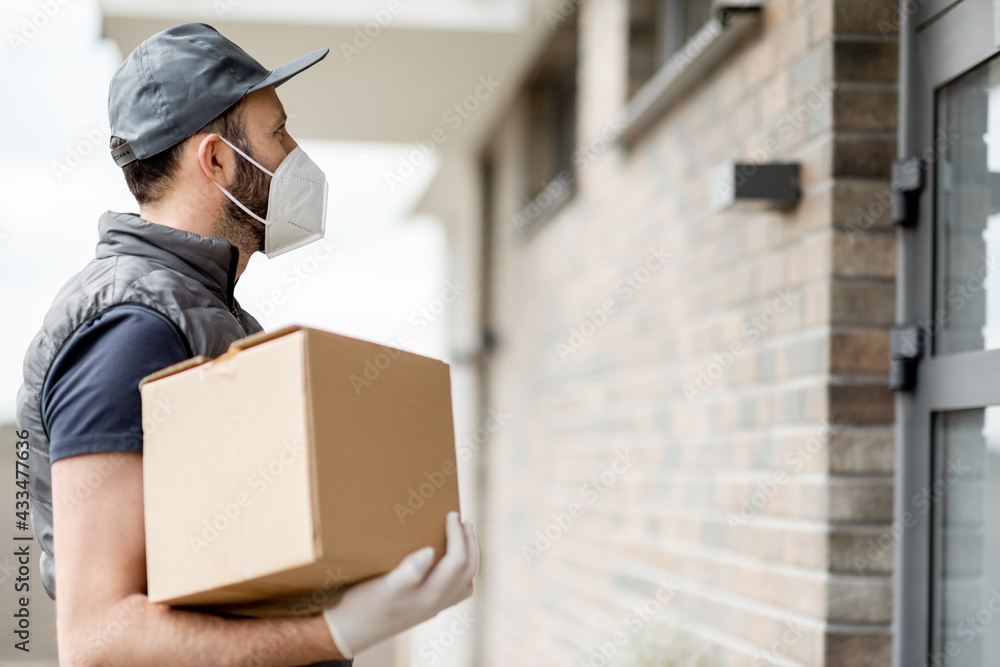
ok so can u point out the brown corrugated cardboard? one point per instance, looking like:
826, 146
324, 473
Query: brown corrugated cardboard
298, 461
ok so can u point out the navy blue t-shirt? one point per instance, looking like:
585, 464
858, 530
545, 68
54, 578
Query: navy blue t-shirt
90, 400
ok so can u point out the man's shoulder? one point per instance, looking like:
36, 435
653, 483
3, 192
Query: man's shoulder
122, 337
90, 400
130, 324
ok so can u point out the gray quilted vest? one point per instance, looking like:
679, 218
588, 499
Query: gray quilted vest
185, 277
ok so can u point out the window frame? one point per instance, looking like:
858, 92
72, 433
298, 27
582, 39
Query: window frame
730, 21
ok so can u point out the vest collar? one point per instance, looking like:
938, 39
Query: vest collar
209, 260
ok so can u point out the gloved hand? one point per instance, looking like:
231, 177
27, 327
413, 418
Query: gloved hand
379, 608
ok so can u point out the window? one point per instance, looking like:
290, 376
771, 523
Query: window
673, 45
657, 30
551, 129
549, 96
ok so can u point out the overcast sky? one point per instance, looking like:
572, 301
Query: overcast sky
56, 178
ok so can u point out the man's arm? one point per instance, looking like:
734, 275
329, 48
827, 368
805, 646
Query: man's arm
103, 616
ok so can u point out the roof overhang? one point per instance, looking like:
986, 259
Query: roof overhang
399, 86
395, 86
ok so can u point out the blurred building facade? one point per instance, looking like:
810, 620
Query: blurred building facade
676, 427
698, 436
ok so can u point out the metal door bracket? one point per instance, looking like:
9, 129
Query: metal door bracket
908, 178
906, 346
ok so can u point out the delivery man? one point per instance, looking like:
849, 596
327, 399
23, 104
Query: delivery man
200, 135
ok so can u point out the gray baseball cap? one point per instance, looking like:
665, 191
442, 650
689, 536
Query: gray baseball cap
178, 81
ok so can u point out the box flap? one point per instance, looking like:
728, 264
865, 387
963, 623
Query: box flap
234, 347
175, 368
261, 337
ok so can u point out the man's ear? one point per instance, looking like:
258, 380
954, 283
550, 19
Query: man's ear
216, 159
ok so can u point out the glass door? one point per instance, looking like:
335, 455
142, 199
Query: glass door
947, 567
964, 498
967, 212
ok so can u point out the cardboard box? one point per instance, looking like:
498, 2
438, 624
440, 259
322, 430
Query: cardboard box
297, 463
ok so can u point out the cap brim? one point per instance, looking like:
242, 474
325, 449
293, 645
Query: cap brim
279, 75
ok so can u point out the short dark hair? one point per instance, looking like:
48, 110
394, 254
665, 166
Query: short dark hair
149, 179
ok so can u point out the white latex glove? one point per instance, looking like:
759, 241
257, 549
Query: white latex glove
379, 608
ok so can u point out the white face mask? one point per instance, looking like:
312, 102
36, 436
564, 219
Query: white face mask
296, 205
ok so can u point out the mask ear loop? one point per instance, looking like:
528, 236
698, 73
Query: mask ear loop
234, 199
252, 161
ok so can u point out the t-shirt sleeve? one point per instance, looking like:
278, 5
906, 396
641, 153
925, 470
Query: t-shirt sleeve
90, 400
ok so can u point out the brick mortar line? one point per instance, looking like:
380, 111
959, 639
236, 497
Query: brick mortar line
867, 134
857, 86
731, 477
863, 180
862, 37
851, 279
720, 637
876, 231
710, 592
719, 557
862, 528
846, 628
707, 467
693, 513
598, 454
720, 515
841, 378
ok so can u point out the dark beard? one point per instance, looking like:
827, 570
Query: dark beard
251, 187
